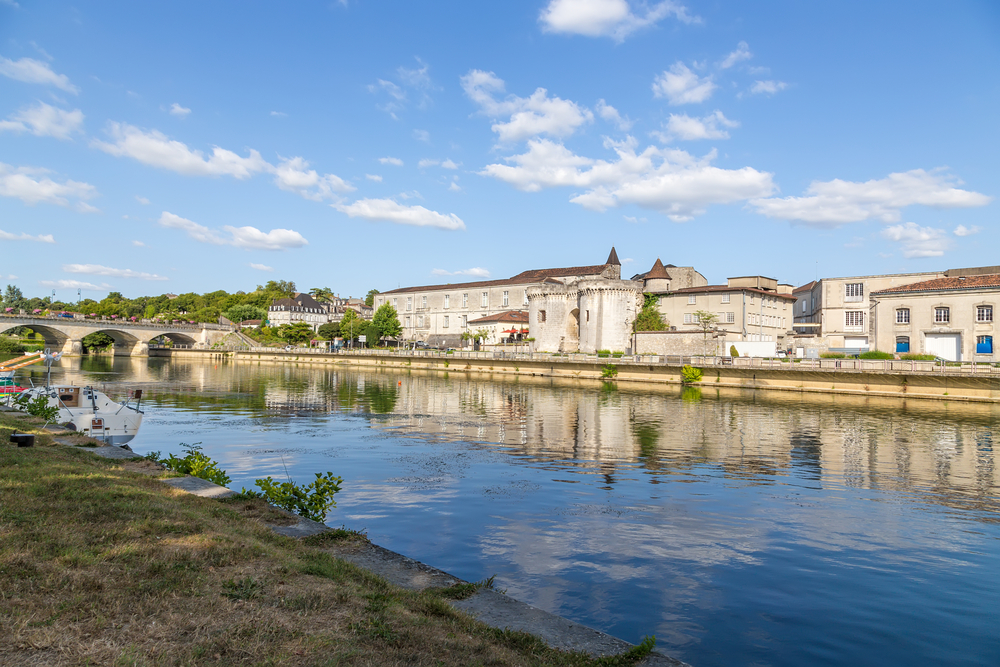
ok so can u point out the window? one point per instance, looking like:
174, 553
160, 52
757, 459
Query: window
984, 313
903, 316
409, 303
395, 303
541, 316
687, 318
407, 321
725, 298
465, 320
804, 304
730, 318
447, 300
526, 297
423, 302
420, 321
486, 299
854, 318
692, 299
942, 315
465, 300
506, 298
984, 344
446, 318
588, 316
854, 291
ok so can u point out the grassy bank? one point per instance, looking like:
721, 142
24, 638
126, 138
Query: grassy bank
101, 563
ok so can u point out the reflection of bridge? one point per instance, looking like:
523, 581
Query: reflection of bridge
131, 338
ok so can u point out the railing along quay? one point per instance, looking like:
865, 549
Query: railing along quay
894, 366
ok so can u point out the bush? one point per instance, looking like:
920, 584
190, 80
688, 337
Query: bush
875, 354
832, 355
196, 464
604, 353
609, 372
690, 374
733, 352
617, 355
10, 346
312, 501
913, 356
37, 407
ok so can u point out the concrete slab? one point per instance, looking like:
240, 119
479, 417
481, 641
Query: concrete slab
196, 486
396, 568
304, 527
107, 452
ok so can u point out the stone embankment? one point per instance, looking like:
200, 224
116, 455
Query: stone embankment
889, 378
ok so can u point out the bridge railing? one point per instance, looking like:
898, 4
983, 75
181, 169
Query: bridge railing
145, 324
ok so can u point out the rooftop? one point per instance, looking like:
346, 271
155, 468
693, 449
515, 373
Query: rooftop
945, 284
512, 316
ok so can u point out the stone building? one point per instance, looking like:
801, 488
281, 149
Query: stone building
507, 327
299, 308
439, 314
583, 315
950, 317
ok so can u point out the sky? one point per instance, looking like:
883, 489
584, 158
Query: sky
164, 147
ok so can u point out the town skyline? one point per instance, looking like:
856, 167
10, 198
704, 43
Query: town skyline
360, 145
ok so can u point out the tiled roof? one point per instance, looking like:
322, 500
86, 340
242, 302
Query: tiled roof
942, 284
523, 278
512, 316
727, 288
657, 271
613, 258
806, 287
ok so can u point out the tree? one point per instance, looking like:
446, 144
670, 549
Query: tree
322, 294
351, 326
706, 322
370, 297
387, 322
282, 288
244, 312
649, 318
372, 335
476, 336
298, 332
13, 298
329, 331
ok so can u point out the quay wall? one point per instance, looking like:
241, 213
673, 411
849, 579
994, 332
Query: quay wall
899, 384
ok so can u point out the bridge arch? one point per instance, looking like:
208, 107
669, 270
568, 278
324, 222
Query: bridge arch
53, 337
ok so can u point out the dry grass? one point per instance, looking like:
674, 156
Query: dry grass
102, 564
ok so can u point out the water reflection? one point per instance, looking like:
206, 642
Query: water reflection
739, 527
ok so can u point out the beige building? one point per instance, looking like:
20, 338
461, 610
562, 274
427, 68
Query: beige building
508, 327
834, 311
439, 314
299, 308
749, 309
950, 317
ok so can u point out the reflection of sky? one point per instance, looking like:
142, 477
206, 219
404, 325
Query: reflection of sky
738, 528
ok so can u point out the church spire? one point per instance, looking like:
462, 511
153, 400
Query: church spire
613, 258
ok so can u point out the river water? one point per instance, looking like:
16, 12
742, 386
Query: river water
737, 527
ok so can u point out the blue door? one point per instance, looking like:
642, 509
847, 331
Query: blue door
984, 345
902, 344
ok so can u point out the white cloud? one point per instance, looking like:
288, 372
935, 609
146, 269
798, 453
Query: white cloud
767, 87
30, 185
476, 272
388, 210
294, 175
30, 70
139, 244
422, 135
918, 241
261, 267
142, 200
670, 181
741, 53
454, 187
157, 150
415, 79
74, 284
374, 177
682, 86
98, 270
633, 219
444, 164
607, 18
44, 120
833, 203
280, 114
41, 238
529, 116
610, 114
178, 110
962, 230
686, 128
395, 161
241, 237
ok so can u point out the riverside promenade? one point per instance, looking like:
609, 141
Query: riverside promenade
876, 377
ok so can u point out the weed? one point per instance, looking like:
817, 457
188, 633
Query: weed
609, 372
246, 588
311, 501
690, 374
196, 464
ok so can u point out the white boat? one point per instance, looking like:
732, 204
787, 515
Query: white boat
89, 411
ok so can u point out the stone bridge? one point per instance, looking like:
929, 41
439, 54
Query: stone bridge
131, 338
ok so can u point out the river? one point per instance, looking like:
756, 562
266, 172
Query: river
738, 527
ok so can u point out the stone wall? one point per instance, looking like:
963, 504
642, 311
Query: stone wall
683, 343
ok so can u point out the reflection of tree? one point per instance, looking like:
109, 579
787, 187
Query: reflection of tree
373, 396
647, 434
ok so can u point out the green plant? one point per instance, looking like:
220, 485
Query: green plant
832, 355
311, 501
733, 352
690, 374
617, 355
37, 407
247, 588
10, 346
609, 372
604, 353
913, 356
196, 464
875, 354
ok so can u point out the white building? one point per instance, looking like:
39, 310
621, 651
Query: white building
299, 308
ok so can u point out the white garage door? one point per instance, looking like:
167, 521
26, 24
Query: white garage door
856, 342
948, 346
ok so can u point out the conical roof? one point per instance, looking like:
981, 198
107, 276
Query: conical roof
657, 271
613, 258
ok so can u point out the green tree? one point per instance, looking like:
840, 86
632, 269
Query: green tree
322, 294
649, 318
370, 297
329, 331
476, 336
295, 333
13, 298
351, 326
244, 312
283, 288
97, 341
387, 321
706, 322
372, 335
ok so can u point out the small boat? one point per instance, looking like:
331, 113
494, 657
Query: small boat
91, 412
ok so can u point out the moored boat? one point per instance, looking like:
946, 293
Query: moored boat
91, 412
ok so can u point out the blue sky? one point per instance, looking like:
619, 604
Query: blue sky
175, 147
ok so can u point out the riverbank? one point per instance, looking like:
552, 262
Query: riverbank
101, 562
909, 380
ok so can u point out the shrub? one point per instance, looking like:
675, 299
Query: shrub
609, 372
690, 374
733, 352
37, 407
617, 355
312, 501
196, 464
10, 346
913, 356
832, 355
604, 353
875, 354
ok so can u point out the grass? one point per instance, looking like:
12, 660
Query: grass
101, 563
